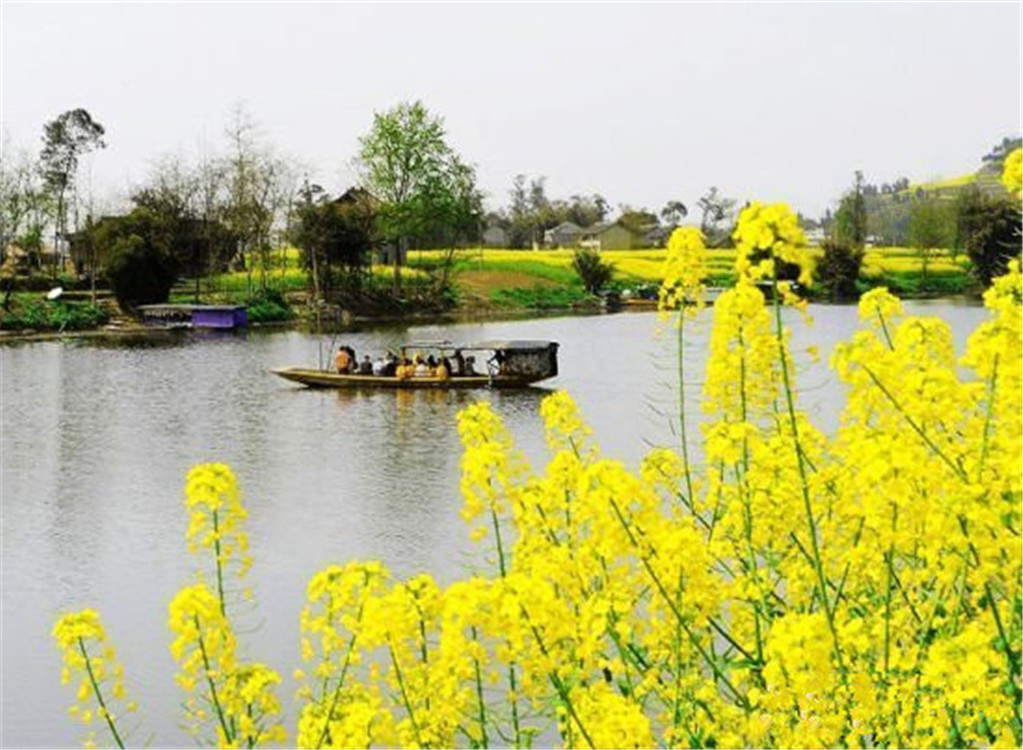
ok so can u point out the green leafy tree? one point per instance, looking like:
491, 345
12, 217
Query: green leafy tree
931, 231
65, 140
336, 237
988, 230
425, 189
142, 265
850, 222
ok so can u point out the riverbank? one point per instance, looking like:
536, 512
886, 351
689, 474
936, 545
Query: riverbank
484, 284
133, 329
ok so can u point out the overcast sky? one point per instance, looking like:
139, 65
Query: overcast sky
641, 103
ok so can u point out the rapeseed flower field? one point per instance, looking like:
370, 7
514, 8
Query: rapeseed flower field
795, 589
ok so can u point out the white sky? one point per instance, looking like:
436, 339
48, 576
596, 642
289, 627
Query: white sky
641, 103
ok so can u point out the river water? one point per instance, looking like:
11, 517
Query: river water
97, 436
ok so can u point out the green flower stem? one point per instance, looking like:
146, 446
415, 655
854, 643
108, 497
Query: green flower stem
404, 695
337, 690
512, 680
710, 661
556, 681
682, 405
479, 696
228, 734
99, 694
220, 570
808, 505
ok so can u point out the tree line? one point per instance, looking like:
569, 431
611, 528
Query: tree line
237, 208
983, 226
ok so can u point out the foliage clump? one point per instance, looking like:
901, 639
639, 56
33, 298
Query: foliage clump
50, 316
838, 270
593, 270
267, 306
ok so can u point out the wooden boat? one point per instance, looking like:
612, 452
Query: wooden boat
512, 364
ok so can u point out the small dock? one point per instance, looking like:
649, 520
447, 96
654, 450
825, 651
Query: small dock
223, 317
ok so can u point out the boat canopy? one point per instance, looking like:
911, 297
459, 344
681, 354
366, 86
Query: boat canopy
515, 358
496, 346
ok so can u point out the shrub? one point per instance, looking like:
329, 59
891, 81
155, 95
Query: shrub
54, 316
839, 268
267, 306
593, 270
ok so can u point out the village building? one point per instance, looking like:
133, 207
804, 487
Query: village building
495, 236
609, 235
565, 234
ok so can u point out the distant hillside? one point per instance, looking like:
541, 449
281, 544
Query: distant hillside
888, 208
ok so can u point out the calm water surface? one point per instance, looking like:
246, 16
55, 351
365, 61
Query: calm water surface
97, 438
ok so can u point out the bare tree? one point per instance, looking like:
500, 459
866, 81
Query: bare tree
24, 203
260, 185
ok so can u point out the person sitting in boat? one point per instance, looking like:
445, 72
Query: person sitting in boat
496, 363
403, 370
345, 359
421, 370
366, 366
379, 365
458, 364
390, 366
470, 366
443, 370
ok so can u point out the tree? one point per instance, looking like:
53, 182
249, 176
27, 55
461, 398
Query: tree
142, 266
335, 234
637, 220
65, 140
584, 211
424, 187
988, 230
850, 223
673, 213
839, 269
173, 196
716, 216
259, 185
24, 203
931, 230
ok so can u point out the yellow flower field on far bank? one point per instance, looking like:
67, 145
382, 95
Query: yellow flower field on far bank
645, 265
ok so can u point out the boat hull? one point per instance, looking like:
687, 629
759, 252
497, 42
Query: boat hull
323, 379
